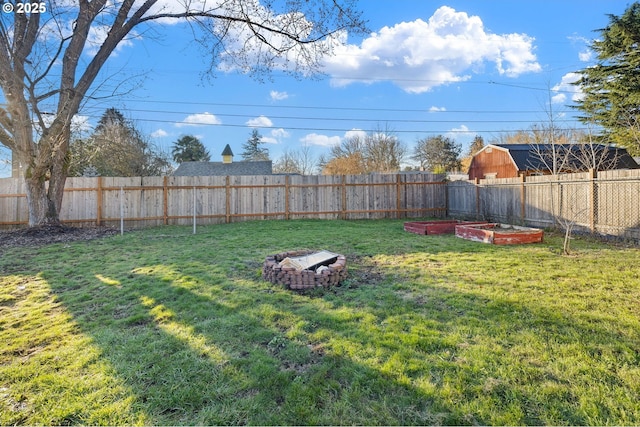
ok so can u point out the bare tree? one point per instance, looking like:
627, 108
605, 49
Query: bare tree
299, 161
379, 151
384, 151
348, 157
48, 64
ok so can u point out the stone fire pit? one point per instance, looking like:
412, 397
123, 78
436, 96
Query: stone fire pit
305, 269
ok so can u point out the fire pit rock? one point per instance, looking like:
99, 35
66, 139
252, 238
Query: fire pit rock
305, 269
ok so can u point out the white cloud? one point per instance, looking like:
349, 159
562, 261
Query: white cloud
276, 136
280, 133
79, 123
278, 96
585, 55
459, 132
260, 122
97, 36
199, 119
355, 133
269, 140
160, 133
448, 48
565, 88
435, 109
320, 140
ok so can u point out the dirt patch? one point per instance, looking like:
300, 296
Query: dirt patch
39, 236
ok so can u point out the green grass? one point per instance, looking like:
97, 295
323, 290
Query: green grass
165, 327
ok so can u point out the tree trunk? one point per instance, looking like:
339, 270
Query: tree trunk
42, 209
45, 201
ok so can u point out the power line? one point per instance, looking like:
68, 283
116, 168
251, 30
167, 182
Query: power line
338, 119
344, 130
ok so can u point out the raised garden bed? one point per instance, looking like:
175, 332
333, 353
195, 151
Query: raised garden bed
305, 269
442, 226
499, 234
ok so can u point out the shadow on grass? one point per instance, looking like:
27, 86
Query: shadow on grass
205, 348
513, 360
208, 342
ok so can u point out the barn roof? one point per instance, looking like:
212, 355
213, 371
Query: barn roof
224, 169
528, 157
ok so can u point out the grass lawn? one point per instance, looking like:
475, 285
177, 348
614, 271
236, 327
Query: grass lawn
164, 327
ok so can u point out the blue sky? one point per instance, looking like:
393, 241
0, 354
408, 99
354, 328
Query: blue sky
454, 68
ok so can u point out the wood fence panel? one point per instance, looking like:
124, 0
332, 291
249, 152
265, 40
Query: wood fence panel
618, 208
618, 204
80, 205
179, 201
316, 196
213, 199
371, 196
257, 197
424, 200
461, 199
575, 204
500, 200
151, 201
605, 202
120, 197
382, 197
13, 202
540, 203
357, 197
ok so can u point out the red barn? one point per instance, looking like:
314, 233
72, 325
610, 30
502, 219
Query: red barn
513, 160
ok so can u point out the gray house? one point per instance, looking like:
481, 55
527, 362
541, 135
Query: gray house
226, 167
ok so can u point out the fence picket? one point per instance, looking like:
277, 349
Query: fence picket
150, 201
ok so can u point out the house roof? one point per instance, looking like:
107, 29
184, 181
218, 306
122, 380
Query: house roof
227, 151
533, 156
224, 169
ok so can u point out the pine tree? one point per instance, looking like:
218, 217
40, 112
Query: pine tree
476, 145
612, 86
252, 149
189, 149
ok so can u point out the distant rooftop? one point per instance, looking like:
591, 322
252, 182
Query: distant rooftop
528, 156
223, 169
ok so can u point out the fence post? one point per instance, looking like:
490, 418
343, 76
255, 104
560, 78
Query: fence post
195, 209
523, 198
446, 198
165, 200
593, 175
344, 197
286, 197
228, 199
476, 181
99, 202
398, 199
121, 210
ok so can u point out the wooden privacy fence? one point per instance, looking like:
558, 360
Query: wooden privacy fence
599, 202
150, 201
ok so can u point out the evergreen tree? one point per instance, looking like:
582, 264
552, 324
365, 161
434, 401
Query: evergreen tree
189, 149
476, 145
116, 148
612, 86
252, 149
